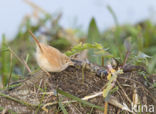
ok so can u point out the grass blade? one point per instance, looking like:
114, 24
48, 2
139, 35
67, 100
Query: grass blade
5, 62
79, 100
62, 107
11, 68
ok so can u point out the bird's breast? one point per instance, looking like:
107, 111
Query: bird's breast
45, 64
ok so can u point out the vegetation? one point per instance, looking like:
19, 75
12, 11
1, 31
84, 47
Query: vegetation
128, 44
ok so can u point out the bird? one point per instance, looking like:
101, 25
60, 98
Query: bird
49, 58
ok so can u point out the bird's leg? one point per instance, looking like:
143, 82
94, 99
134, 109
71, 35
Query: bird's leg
46, 72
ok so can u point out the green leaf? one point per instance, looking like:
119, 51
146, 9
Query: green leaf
109, 86
62, 107
152, 65
93, 32
154, 85
80, 47
104, 53
142, 55
93, 36
113, 14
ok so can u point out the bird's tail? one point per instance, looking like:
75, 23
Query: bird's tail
37, 42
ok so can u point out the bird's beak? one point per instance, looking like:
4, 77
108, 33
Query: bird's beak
71, 63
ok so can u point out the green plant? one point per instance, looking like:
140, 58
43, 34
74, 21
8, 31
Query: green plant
4, 60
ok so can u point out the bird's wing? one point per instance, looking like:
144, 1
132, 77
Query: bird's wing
53, 55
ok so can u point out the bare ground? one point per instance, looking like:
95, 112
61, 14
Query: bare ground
28, 97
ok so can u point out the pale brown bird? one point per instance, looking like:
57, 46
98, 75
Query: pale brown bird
49, 58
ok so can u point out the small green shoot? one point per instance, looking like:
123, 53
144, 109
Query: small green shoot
80, 47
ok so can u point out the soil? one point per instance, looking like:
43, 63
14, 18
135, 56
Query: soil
31, 99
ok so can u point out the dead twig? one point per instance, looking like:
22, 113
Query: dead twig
22, 61
26, 65
124, 92
142, 86
126, 57
5, 110
33, 5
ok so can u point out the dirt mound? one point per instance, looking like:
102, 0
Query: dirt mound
39, 90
